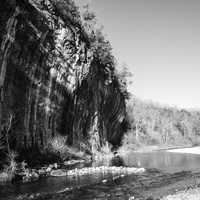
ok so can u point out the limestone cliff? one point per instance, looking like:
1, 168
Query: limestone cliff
52, 82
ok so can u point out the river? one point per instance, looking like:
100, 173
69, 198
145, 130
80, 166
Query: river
165, 170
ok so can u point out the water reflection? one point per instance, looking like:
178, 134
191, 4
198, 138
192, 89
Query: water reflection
53, 184
165, 161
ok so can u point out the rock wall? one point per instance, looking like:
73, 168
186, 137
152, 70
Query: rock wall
50, 82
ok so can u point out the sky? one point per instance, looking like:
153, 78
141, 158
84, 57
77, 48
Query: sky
159, 40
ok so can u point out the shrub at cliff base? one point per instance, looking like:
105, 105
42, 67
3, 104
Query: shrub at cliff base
8, 173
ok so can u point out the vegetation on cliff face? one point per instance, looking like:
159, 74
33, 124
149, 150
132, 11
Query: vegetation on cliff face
57, 77
152, 124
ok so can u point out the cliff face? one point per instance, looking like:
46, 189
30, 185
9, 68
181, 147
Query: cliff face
51, 83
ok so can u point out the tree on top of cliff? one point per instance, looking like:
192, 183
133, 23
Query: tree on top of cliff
68, 10
103, 53
102, 49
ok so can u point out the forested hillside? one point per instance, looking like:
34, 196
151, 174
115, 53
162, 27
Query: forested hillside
152, 124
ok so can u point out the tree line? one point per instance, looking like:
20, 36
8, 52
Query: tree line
153, 124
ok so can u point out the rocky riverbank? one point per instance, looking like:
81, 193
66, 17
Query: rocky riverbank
102, 169
68, 168
24, 173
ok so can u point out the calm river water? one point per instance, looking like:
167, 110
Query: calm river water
164, 161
